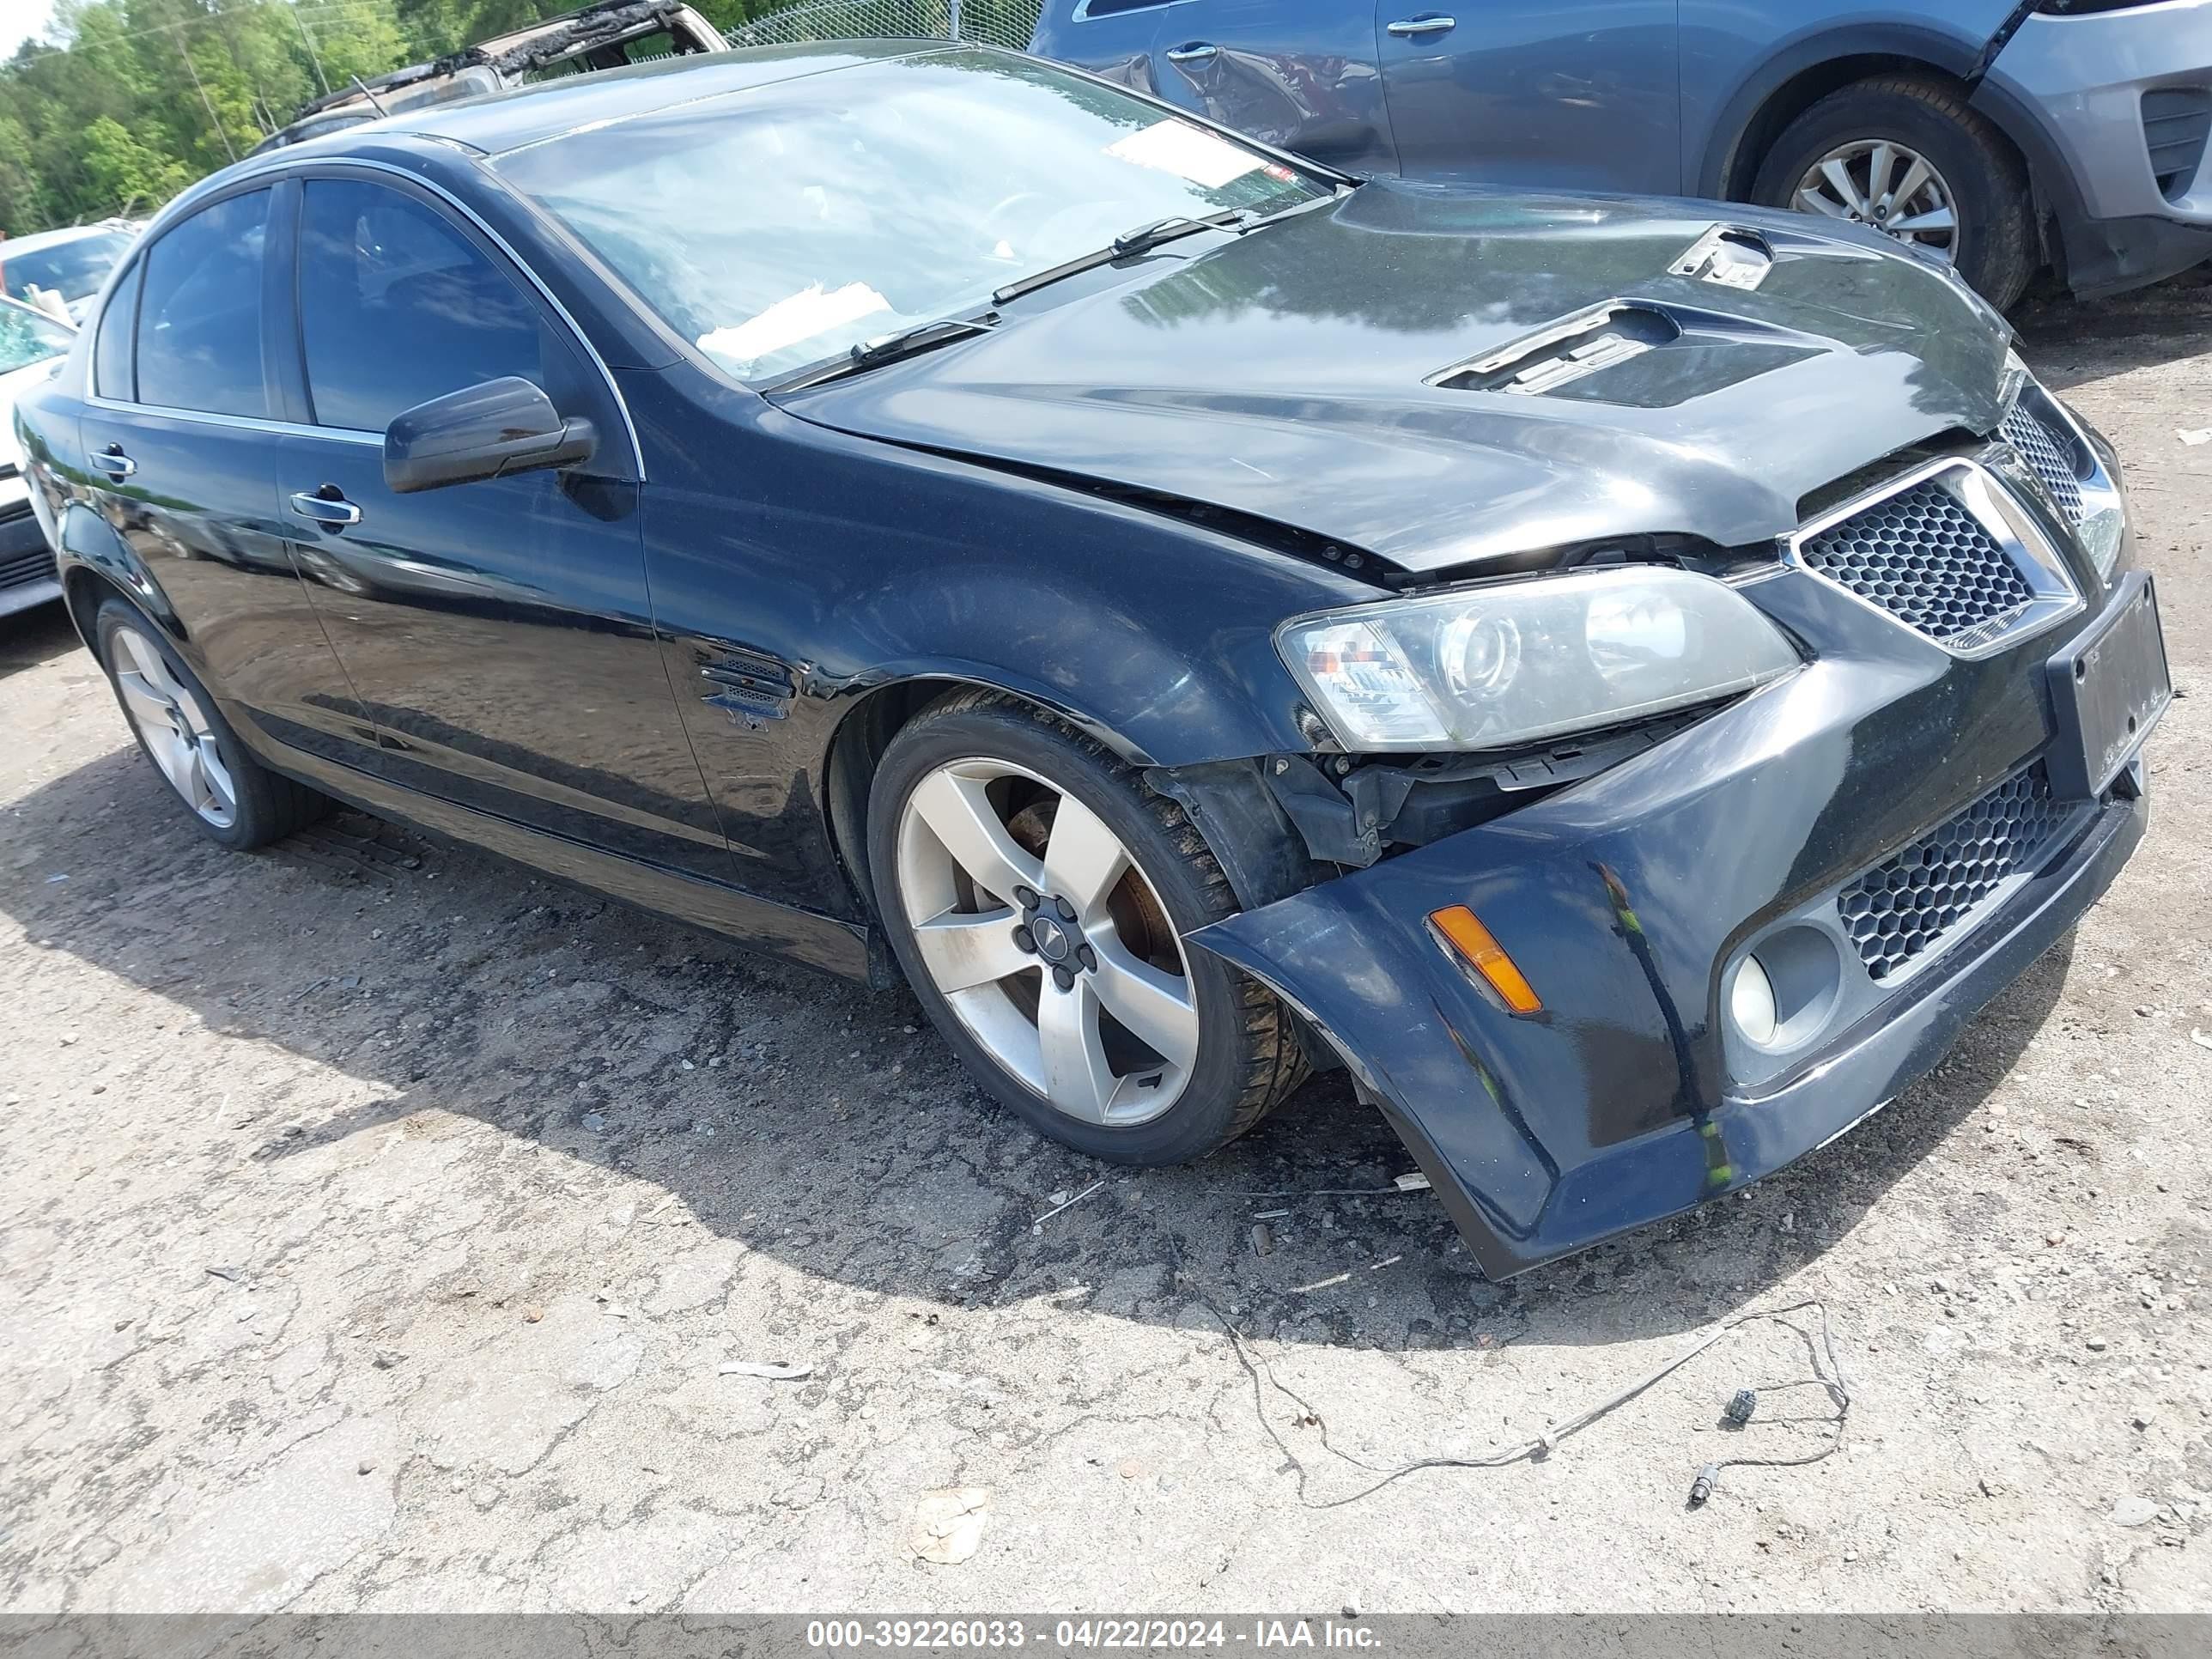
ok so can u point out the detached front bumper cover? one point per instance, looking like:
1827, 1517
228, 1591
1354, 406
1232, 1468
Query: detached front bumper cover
1626, 899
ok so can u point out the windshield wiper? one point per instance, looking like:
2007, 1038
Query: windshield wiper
922, 336
889, 348
1130, 243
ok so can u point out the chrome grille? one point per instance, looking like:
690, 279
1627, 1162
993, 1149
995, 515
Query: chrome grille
2046, 457
1911, 904
1922, 557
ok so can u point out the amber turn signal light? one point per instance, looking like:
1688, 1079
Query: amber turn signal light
1464, 932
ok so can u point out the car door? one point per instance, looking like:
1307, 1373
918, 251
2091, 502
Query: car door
1301, 77
1112, 38
500, 631
179, 444
1576, 95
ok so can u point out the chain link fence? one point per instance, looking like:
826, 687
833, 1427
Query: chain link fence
997, 22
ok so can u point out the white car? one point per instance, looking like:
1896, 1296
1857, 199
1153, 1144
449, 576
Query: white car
70, 264
31, 344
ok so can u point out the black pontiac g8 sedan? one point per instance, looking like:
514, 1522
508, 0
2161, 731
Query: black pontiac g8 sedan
1626, 679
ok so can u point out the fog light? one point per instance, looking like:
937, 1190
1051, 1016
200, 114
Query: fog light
1750, 1002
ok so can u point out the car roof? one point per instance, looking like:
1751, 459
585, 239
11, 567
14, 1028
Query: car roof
504, 121
38, 238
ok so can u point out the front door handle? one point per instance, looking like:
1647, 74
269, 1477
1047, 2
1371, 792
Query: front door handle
1198, 52
113, 462
327, 506
1426, 23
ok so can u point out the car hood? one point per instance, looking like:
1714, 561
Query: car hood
1286, 373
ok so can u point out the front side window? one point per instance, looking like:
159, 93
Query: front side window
396, 307
199, 318
777, 228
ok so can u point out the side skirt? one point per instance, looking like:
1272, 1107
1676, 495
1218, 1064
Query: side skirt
848, 949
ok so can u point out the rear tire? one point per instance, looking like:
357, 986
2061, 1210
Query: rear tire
1986, 183
998, 779
235, 800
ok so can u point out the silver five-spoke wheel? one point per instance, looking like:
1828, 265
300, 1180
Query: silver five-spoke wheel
175, 729
1047, 941
1875, 181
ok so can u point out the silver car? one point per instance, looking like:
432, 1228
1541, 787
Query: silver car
64, 267
2003, 137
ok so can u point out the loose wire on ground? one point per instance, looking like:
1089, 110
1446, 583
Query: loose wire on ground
1829, 1376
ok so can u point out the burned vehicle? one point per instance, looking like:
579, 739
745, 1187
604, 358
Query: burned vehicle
605, 35
1626, 679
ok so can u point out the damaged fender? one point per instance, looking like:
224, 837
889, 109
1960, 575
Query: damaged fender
1615, 1105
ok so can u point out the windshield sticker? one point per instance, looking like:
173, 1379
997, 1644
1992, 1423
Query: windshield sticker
1186, 151
799, 317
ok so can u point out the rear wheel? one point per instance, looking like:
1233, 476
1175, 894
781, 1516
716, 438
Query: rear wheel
1904, 155
237, 802
1035, 893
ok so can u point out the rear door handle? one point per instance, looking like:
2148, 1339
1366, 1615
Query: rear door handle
1427, 23
113, 462
1198, 52
326, 505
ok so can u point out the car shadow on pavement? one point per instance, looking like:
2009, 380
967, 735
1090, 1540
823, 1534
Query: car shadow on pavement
821, 1124
38, 635
2067, 341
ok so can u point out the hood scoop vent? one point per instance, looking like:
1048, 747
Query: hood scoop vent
1727, 255
1563, 352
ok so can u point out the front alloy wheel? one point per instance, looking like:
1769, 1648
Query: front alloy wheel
1047, 941
1038, 893
1873, 181
1908, 156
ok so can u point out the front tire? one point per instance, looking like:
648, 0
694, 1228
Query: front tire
1904, 154
1036, 893
236, 801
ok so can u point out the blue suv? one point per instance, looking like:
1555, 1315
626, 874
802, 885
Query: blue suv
2003, 134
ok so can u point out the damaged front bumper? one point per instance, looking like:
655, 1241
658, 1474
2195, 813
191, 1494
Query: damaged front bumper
1910, 825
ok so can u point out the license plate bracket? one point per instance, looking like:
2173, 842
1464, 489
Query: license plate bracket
2108, 690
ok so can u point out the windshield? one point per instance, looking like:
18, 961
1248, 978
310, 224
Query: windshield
26, 338
780, 227
73, 268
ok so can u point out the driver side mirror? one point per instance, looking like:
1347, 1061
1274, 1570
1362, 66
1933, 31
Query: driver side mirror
484, 431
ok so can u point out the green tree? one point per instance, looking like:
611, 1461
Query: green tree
132, 175
138, 98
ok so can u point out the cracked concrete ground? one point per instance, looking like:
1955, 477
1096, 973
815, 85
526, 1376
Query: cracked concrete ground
376, 1222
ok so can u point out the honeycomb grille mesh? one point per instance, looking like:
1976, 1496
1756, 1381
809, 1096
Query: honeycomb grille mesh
1906, 906
1921, 556
2036, 444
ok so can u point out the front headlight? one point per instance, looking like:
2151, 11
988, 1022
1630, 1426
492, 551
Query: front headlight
1520, 661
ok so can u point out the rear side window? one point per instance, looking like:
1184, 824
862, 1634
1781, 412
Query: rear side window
396, 307
111, 347
199, 322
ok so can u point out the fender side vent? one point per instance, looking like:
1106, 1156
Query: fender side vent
748, 685
1563, 352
